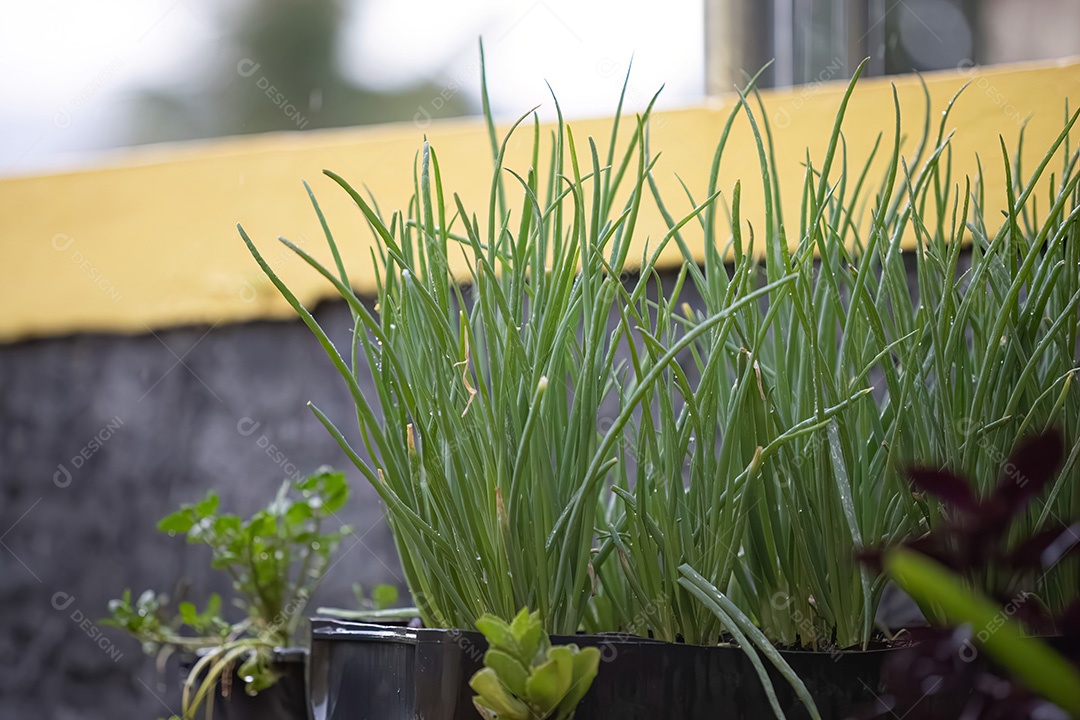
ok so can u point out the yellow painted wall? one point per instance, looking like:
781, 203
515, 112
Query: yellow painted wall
151, 242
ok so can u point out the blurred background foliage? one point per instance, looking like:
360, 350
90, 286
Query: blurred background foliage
290, 49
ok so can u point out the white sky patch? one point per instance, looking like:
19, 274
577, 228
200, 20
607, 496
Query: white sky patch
582, 49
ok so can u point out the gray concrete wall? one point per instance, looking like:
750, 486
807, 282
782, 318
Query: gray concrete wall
143, 424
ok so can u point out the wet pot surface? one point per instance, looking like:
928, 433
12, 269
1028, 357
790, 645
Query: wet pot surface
286, 699
362, 672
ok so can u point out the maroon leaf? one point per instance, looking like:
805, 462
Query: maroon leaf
873, 558
947, 487
936, 546
1027, 471
1046, 548
1069, 622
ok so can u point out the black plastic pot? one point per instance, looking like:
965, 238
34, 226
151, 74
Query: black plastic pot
362, 672
286, 699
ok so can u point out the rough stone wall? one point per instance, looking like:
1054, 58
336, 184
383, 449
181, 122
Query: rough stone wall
102, 435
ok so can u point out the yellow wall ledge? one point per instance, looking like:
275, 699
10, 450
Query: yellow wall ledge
152, 242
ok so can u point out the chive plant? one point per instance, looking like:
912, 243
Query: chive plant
808, 406
759, 433
481, 435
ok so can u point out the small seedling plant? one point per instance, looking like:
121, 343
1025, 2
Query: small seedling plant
275, 559
525, 677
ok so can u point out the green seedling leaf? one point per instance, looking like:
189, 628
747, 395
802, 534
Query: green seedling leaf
585, 668
549, 683
500, 636
510, 671
492, 696
384, 596
549, 680
225, 525
207, 507
179, 522
262, 525
188, 613
298, 513
529, 633
213, 605
335, 498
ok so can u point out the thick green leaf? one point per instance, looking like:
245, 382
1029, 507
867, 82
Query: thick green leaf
528, 630
585, 668
178, 522
298, 513
500, 636
188, 613
549, 683
208, 506
384, 596
493, 695
510, 671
